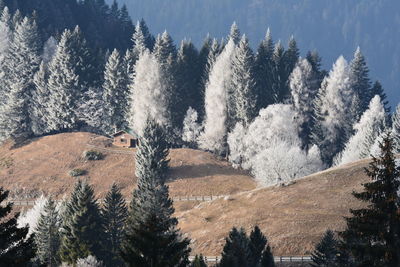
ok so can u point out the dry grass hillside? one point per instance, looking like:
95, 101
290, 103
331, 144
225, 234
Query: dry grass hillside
294, 217
43, 165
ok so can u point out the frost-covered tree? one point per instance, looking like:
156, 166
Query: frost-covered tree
367, 130
49, 49
334, 111
5, 32
377, 89
149, 94
242, 98
32, 216
115, 95
234, 34
90, 110
16, 248
264, 72
63, 87
40, 100
89, 261
236, 145
215, 125
396, 129
302, 95
191, 128
47, 235
360, 82
21, 63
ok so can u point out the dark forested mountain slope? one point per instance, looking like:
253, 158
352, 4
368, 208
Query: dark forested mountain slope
332, 27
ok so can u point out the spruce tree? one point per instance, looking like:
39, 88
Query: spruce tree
82, 226
21, 63
151, 237
267, 259
40, 100
236, 251
278, 73
47, 235
326, 251
318, 73
198, 261
257, 244
63, 86
15, 248
234, 34
115, 95
372, 233
377, 89
114, 213
242, 98
396, 129
263, 68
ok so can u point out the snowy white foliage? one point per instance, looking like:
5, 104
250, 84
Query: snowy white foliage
31, 217
5, 34
396, 129
149, 94
271, 147
236, 144
39, 102
191, 128
49, 49
91, 108
367, 130
215, 129
89, 261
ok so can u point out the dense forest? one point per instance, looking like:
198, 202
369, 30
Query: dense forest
332, 27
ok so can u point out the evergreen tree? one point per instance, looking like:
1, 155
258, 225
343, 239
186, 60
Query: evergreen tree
115, 95
242, 99
234, 34
82, 224
360, 82
203, 69
236, 252
377, 89
63, 86
278, 73
47, 235
318, 73
257, 244
291, 56
151, 237
40, 100
267, 259
303, 94
15, 248
396, 129
114, 213
198, 261
21, 63
372, 233
326, 251
264, 72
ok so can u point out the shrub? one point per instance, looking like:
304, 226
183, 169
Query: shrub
77, 172
93, 155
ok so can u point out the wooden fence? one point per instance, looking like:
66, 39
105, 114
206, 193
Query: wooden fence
277, 259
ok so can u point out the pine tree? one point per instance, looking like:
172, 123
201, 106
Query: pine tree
278, 73
315, 60
15, 248
47, 235
267, 259
396, 129
264, 72
236, 251
257, 244
242, 98
372, 233
40, 100
63, 87
22, 61
360, 82
303, 94
114, 213
198, 261
326, 251
5, 38
115, 95
377, 89
81, 229
291, 57
151, 237
234, 34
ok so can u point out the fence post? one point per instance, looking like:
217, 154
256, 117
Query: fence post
281, 259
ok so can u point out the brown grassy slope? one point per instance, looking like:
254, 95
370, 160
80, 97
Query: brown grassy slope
293, 217
42, 165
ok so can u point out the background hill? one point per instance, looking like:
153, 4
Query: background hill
332, 27
294, 217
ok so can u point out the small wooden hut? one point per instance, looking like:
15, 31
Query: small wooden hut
124, 139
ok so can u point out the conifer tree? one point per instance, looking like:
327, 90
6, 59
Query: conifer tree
40, 100
264, 72
278, 73
47, 235
372, 233
63, 86
22, 62
234, 34
318, 73
377, 89
360, 82
242, 99
236, 251
82, 224
151, 237
16, 19
198, 261
326, 251
15, 248
114, 213
203, 69
267, 259
257, 244
115, 94
291, 57
396, 129
5, 38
